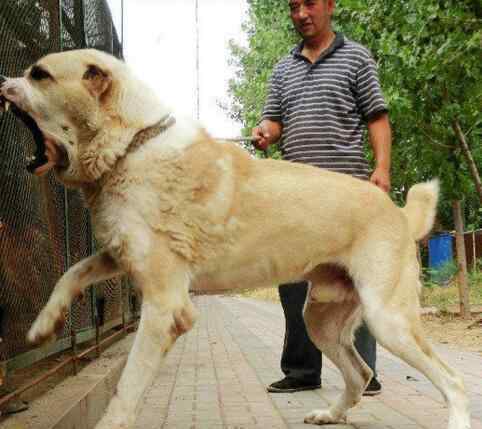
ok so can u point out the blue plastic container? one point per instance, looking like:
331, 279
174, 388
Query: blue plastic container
440, 253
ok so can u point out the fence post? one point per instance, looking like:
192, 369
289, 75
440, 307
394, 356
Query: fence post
474, 253
81, 10
461, 260
3, 372
73, 338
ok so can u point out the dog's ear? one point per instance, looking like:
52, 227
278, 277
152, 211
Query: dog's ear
96, 80
110, 143
102, 152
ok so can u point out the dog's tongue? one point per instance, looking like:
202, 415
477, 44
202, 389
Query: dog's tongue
53, 156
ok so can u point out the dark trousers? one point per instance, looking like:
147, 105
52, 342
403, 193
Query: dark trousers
300, 358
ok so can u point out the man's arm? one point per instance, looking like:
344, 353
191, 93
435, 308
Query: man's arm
266, 133
380, 135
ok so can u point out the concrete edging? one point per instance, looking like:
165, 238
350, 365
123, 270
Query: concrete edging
79, 401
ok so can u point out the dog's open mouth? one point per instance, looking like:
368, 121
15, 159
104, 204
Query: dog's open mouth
47, 154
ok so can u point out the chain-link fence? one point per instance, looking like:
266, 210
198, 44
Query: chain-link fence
44, 228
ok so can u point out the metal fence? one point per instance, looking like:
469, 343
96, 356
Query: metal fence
473, 248
44, 229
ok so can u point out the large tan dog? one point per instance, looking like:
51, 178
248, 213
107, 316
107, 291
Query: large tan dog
177, 211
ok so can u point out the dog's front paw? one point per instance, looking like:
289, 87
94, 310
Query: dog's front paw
321, 417
45, 327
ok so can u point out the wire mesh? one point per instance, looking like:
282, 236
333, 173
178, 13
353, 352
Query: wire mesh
44, 229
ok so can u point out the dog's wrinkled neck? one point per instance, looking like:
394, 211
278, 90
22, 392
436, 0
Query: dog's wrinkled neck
108, 165
93, 189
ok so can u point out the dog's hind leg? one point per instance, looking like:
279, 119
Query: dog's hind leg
391, 310
165, 316
73, 282
399, 330
331, 326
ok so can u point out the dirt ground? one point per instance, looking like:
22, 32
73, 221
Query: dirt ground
452, 330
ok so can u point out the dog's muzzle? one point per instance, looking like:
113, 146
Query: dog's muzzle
39, 158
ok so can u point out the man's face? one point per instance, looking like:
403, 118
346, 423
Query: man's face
311, 18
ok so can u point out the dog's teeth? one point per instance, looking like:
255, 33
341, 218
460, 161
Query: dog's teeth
7, 106
31, 158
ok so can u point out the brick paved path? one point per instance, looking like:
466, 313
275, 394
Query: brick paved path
215, 377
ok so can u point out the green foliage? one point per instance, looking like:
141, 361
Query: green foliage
475, 279
270, 37
448, 295
429, 57
443, 275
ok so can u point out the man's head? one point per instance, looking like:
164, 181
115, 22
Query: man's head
312, 18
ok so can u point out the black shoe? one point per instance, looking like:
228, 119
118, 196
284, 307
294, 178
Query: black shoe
374, 388
288, 385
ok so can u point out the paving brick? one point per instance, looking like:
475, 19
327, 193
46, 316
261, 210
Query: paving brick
216, 377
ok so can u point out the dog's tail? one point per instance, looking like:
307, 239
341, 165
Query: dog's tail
421, 207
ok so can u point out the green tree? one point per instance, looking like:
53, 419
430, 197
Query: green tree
270, 37
429, 55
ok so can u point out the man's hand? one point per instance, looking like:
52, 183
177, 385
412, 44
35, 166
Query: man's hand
261, 137
381, 178
265, 133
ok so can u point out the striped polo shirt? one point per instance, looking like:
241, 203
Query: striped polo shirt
324, 106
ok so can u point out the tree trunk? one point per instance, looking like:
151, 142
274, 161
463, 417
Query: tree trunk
468, 157
419, 259
461, 260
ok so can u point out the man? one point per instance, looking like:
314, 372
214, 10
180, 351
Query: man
321, 96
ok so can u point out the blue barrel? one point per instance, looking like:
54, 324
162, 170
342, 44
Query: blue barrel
440, 253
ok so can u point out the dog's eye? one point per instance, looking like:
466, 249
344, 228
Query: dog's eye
38, 73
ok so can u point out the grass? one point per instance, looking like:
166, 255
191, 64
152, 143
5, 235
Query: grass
446, 297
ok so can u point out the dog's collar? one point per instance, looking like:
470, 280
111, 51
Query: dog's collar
149, 133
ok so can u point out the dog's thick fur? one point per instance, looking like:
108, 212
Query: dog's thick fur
182, 212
